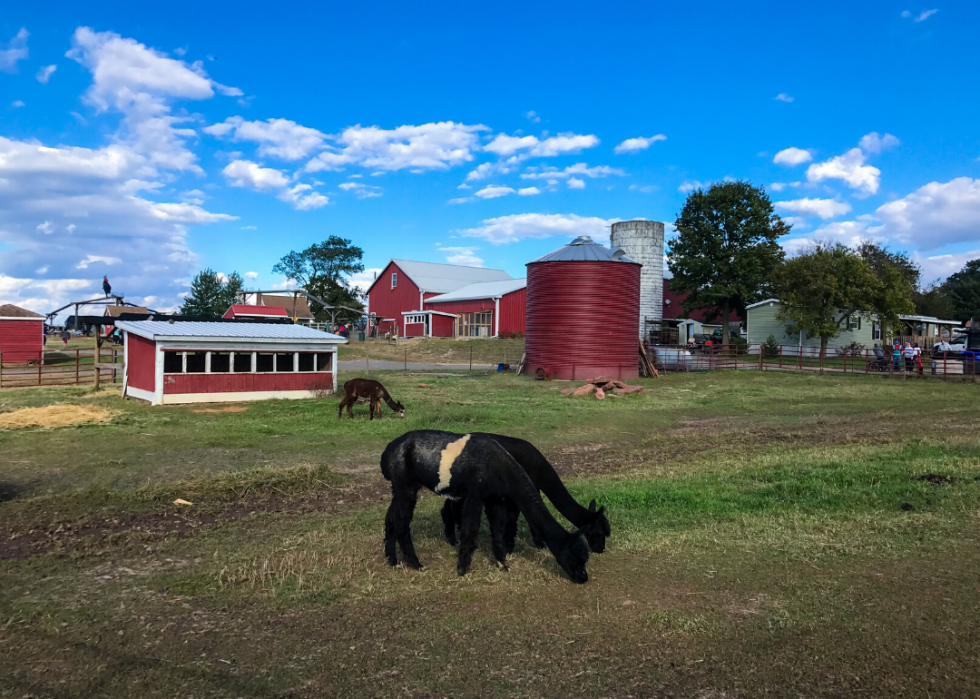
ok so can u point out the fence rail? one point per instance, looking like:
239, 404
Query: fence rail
63, 368
757, 357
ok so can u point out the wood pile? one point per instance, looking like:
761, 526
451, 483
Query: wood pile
600, 386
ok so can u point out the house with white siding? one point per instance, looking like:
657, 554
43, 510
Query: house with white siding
762, 321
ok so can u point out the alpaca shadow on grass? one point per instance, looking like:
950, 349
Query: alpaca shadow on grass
10, 491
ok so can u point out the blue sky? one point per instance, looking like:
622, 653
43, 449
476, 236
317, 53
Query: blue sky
149, 141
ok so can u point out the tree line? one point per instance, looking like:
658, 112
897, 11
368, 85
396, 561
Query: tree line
727, 255
322, 269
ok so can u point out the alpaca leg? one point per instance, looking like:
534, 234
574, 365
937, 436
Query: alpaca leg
498, 517
469, 527
372, 408
398, 526
343, 403
449, 522
510, 526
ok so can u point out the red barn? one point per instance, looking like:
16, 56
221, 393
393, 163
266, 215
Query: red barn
209, 362
21, 335
401, 292
484, 309
241, 310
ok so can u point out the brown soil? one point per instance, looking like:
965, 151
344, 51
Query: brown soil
54, 416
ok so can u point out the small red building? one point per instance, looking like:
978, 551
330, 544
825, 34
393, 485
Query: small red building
209, 362
401, 296
21, 335
484, 309
240, 310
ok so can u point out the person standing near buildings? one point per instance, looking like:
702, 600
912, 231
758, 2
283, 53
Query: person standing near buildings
65, 336
917, 358
897, 355
908, 353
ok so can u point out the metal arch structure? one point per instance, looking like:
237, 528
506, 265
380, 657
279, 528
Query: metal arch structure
332, 310
111, 300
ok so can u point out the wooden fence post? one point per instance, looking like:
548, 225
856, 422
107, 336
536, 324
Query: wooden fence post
98, 352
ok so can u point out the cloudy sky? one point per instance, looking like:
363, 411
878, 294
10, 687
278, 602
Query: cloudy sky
149, 141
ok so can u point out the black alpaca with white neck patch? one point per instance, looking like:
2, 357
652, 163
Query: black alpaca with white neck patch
473, 469
594, 524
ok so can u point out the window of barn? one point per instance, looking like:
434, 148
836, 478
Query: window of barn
220, 362
324, 361
394, 279
196, 362
284, 362
476, 324
263, 362
243, 362
306, 361
173, 362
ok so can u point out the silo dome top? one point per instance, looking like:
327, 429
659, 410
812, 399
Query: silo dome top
584, 249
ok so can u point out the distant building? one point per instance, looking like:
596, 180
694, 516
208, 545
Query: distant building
241, 310
428, 299
297, 306
21, 335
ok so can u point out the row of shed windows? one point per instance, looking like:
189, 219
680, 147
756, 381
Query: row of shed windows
177, 362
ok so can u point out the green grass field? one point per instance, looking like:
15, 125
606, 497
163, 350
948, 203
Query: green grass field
772, 536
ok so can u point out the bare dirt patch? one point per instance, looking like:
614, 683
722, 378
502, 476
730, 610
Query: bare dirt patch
228, 409
59, 415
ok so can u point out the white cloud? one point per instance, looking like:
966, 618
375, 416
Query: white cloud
576, 183
464, 186
690, 186
792, 156
278, 138
632, 145
926, 15
510, 229
94, 259
193, 196
936, 214
528, 191
303, 198
463, 256
646, 189
783, 97
824, 208
777, 186
251, 276
362, 280
245, 173
434, 146
532, 147
45, 74
16, 51
362, 191
873, 143
906, 14
938, 267
45, 228
551, 173
532, 115
17, 104
850, 168
494, 191
460, 200
250, 228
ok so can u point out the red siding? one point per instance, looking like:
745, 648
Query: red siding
443, 326
237, 383
21, 340
414, 329
141, 362
513, 311
389, 303
675, 309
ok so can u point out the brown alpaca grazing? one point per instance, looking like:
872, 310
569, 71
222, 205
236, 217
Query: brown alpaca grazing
372, 391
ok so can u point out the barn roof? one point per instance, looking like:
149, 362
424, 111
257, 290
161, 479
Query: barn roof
253, 332
116, 311
481, 290
9, 310
296, 306
443, 278
241, 309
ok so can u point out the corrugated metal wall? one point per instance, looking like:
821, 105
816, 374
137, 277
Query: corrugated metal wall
513, 311
388, 302
443, 326
141, 362
21, 340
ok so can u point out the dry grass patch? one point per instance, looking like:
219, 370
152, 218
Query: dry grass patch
59, 415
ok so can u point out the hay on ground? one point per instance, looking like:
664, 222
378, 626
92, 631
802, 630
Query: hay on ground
54, 416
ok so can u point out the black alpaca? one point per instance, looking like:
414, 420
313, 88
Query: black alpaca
593, 523
473, 469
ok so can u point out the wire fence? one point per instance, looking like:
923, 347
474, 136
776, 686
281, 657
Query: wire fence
65, 367
957, 366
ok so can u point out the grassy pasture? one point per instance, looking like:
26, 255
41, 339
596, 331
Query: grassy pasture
771, 537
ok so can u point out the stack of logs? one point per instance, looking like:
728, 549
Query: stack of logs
600, 386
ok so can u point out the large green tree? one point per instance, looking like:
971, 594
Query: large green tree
232, 289
879, 258
323, 270
206, 298
828, 284
963, 289
726, 248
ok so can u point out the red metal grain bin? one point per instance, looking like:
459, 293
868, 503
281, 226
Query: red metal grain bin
583, 310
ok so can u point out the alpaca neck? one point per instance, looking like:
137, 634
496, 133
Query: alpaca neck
387, 399
527, 499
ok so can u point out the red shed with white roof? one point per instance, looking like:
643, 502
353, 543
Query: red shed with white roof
21, 335
209, 362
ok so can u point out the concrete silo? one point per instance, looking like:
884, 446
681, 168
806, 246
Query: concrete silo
643, 242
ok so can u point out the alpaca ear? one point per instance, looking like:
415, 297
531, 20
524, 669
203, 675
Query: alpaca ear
592, 506
602, 509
